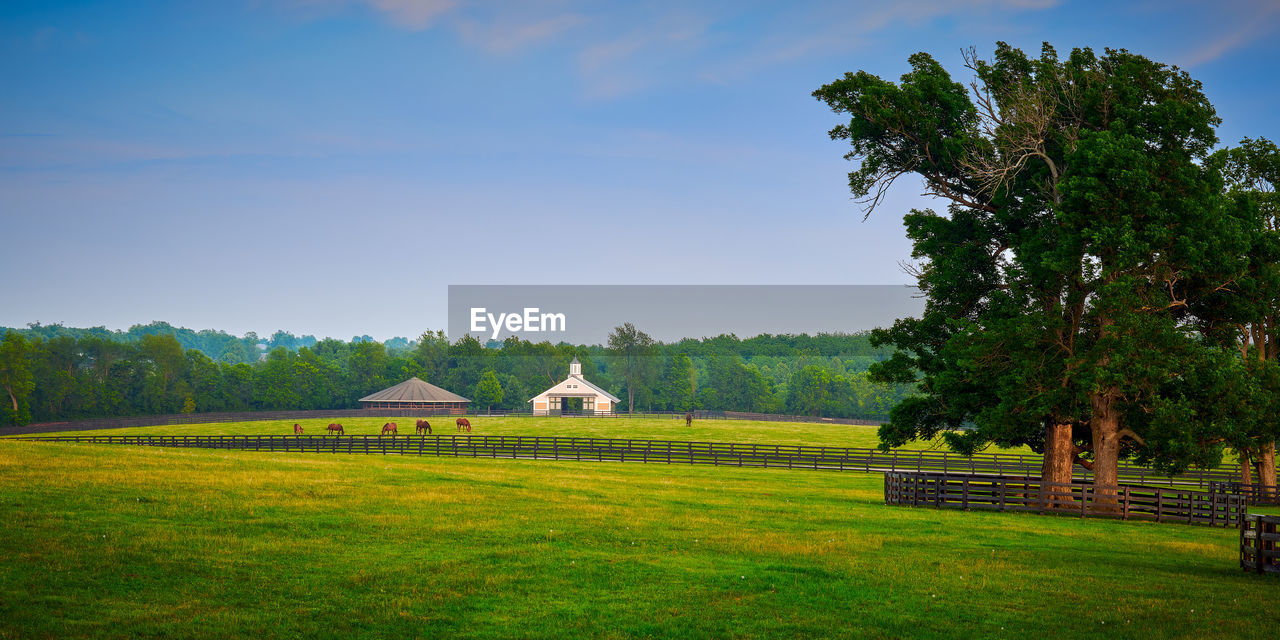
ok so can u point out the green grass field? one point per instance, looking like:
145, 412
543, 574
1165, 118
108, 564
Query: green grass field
115, 541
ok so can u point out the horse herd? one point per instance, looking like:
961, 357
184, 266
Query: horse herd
423, 427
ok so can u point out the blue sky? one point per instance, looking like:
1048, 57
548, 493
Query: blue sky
331, 166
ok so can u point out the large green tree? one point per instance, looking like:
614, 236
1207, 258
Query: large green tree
15, 376
1243, 314
809, 390
1078, 207
165, 364
366, 368
734, 386
634, 355
678, 384
432, 354
488, 390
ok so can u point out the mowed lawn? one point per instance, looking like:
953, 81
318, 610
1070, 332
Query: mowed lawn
116, 541
795, 433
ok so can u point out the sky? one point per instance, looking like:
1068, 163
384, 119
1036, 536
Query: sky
330, 167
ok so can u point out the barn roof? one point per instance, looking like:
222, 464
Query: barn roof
578, 379
597, 389
414, 390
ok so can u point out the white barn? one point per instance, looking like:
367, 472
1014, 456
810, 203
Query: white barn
555, 400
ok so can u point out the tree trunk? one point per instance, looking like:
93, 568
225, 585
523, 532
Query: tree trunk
1059, 457
13, 398
1105, 425
1246, 470
1267, 473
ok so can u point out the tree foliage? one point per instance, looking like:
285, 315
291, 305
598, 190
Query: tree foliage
1243, 315
81, 374
16, 377
488, 391
1081, 212
635, 352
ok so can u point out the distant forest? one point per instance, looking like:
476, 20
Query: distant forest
52, 373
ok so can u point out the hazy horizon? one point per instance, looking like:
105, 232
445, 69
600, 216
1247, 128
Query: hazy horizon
418, 334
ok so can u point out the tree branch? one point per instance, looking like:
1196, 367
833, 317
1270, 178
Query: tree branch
1130, 434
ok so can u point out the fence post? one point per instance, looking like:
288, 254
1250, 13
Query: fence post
1252, 526
1259, 529
1259, 544
1244, 528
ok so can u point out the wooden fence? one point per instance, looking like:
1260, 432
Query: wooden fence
293, 416
619, 450
253, 416
1004, 493
1260, 543
571, 448
1253, 493
774, 417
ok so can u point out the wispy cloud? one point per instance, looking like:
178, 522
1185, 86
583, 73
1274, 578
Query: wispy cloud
496, 27
631, 48
43, 152
413, 14
628, 61
508, 34
1251, 20
698, 47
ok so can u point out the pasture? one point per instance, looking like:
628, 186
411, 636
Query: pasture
797, 433
119, 541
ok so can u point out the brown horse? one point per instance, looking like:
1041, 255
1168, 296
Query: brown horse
389, 427
463, 423
688, 419
297, 429
335, 428
424, 427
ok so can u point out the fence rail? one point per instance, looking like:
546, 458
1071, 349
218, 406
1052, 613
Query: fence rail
1000, 493
775, 417
1260, 543
1253, 493
620, 450
257, 416
254, 416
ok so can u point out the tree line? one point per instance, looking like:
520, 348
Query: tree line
59, 374
1103, 283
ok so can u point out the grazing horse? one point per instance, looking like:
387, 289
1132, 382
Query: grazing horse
463, 423
389, 427
688, 419
297, 429
335, 428
424, 427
